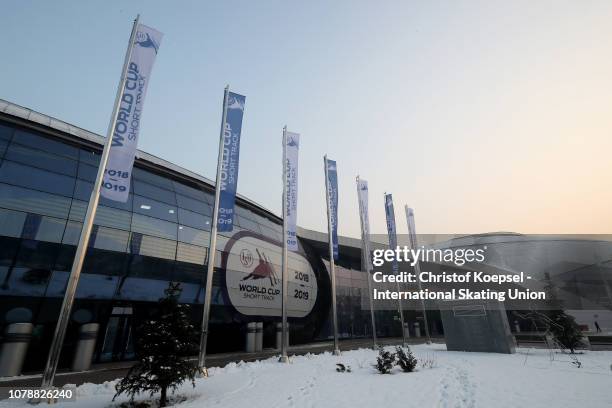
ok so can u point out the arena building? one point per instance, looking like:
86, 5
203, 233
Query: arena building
47, 169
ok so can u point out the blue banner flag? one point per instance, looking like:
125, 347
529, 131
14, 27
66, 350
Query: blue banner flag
234, 110
391, 228
332, 199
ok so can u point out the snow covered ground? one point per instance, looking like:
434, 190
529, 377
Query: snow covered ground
528, 378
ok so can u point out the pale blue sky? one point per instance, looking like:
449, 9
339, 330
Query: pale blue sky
483, 115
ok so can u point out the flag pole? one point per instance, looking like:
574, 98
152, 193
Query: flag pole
284, 343
417, 267
332, 266
81, 250
391, 215
365, 257
212, 246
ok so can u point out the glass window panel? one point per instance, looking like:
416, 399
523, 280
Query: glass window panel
27, 176
241, 210
143, 289
151, 178
41, 159
104, 262
194, 219
43, 143
6, 132
87, 172
110, 239
153, 226
191, 273
154, 247
24, 281
191, 291
95, 286
247, 223
193, 205
91, 286
8, 250
11, 223
89, 157
193, 192
50, 229
32, 201
65, 253
153, 208
269, 232
278, 228
83, 189
193, 236
3, 145
71, 233
37, 254
106, 216
156, 193
191, 254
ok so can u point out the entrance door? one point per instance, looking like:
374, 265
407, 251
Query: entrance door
118, 338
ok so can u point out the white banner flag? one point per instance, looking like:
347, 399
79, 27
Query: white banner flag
118, 172
362, 188
362, 192
292, 147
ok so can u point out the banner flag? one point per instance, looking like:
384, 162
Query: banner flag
292, 147
332, 197
118, 171
391, 228
234, 111
362, 189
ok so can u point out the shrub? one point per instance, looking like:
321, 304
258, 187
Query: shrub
163, 343
385, 361
405, 359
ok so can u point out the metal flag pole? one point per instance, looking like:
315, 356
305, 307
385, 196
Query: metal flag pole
284, 358
365, 258
332, 265
81, 250
399, 300
417, 267
212, 245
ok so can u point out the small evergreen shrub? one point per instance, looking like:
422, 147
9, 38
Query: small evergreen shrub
405, 359
385, 361
162, 345
565, 330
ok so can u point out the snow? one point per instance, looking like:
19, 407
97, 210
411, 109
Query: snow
529, 378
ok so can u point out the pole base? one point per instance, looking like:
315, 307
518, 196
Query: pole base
202, 373
337, 352
284, 359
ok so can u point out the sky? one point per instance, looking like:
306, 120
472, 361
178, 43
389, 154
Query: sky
481, 115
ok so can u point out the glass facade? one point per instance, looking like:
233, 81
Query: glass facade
159, 235
136, 248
